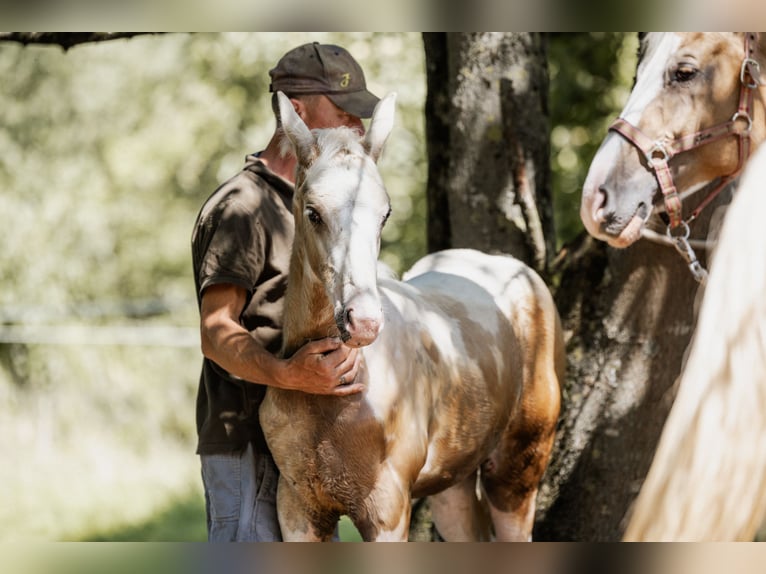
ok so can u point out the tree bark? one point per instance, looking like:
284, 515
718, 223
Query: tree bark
486, 126
628, 317
487, 146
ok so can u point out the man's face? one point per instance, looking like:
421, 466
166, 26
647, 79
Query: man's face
320, 113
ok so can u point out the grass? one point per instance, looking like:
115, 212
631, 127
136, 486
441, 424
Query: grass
99, 445
182, 520
97, 440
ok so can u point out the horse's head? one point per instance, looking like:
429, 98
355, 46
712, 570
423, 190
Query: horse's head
340, 207
685, 125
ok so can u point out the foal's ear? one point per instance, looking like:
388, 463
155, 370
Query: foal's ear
298, 134
380, 126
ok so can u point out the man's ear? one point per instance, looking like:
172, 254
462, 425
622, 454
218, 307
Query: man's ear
299, 136
300, 108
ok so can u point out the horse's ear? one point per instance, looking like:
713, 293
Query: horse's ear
298, 134
380, 126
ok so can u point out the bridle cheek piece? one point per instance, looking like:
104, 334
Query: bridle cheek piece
659, 152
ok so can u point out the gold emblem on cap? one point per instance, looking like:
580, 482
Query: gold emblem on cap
346, 78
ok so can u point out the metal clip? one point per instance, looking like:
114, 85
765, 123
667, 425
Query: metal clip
681, 243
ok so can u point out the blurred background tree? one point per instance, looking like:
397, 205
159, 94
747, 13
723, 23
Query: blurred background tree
107, 151
591, 74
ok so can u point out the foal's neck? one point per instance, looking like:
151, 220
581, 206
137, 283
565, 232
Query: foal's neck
308, 313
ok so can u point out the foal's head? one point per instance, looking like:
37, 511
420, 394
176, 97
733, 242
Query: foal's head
340, 207
682, 113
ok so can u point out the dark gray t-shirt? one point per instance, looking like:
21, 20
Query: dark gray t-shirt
243, 236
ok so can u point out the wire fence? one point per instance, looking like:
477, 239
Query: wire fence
126, 335
72, 325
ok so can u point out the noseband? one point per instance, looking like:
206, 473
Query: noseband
660, 151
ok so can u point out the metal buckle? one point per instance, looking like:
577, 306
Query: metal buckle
753, 69
737, 115
657, 154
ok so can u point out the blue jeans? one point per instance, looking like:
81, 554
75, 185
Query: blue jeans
241, 497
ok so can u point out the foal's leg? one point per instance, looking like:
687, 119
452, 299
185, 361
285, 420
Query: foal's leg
294, 519
513, 472
385, 514
511, 477
459, 515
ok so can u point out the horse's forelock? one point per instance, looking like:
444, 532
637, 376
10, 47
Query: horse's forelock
334, 146
333, 141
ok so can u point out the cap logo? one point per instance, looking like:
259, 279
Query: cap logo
345, 79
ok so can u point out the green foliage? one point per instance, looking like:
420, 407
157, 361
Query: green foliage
590, 79
107, 153
109, 150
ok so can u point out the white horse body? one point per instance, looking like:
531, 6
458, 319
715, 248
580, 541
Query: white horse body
462, 364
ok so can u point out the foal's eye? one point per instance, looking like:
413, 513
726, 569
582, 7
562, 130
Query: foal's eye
313, 216
684, 73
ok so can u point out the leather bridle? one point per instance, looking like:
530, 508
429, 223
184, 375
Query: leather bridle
658, 152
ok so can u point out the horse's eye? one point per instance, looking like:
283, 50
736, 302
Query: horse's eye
684, 73
313, 216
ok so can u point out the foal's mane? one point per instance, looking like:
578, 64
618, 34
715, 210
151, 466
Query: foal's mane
331, 142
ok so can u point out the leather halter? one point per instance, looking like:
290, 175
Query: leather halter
660, 151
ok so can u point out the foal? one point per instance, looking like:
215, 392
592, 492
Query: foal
461, 365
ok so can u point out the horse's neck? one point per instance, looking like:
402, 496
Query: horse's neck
308, 313
759, 117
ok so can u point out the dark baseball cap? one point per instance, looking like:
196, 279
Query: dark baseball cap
324, 69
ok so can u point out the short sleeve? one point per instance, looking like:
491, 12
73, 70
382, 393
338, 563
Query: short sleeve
231, 245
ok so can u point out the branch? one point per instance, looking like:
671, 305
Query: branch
65, 39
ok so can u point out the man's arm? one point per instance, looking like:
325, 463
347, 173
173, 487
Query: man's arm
315, 368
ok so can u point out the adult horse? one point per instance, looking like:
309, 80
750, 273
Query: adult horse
695, 113
690, 124
463, 379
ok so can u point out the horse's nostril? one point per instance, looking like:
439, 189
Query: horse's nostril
643, 210
603, 195
600, 203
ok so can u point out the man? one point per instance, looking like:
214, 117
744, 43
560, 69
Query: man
241, 246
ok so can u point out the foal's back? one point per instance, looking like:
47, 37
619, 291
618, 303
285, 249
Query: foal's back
474, 346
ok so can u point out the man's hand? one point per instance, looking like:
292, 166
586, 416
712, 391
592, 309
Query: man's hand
324, 367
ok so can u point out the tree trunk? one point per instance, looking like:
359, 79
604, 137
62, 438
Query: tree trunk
487, 138
628, 317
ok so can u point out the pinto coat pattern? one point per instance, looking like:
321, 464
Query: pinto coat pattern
462, 366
